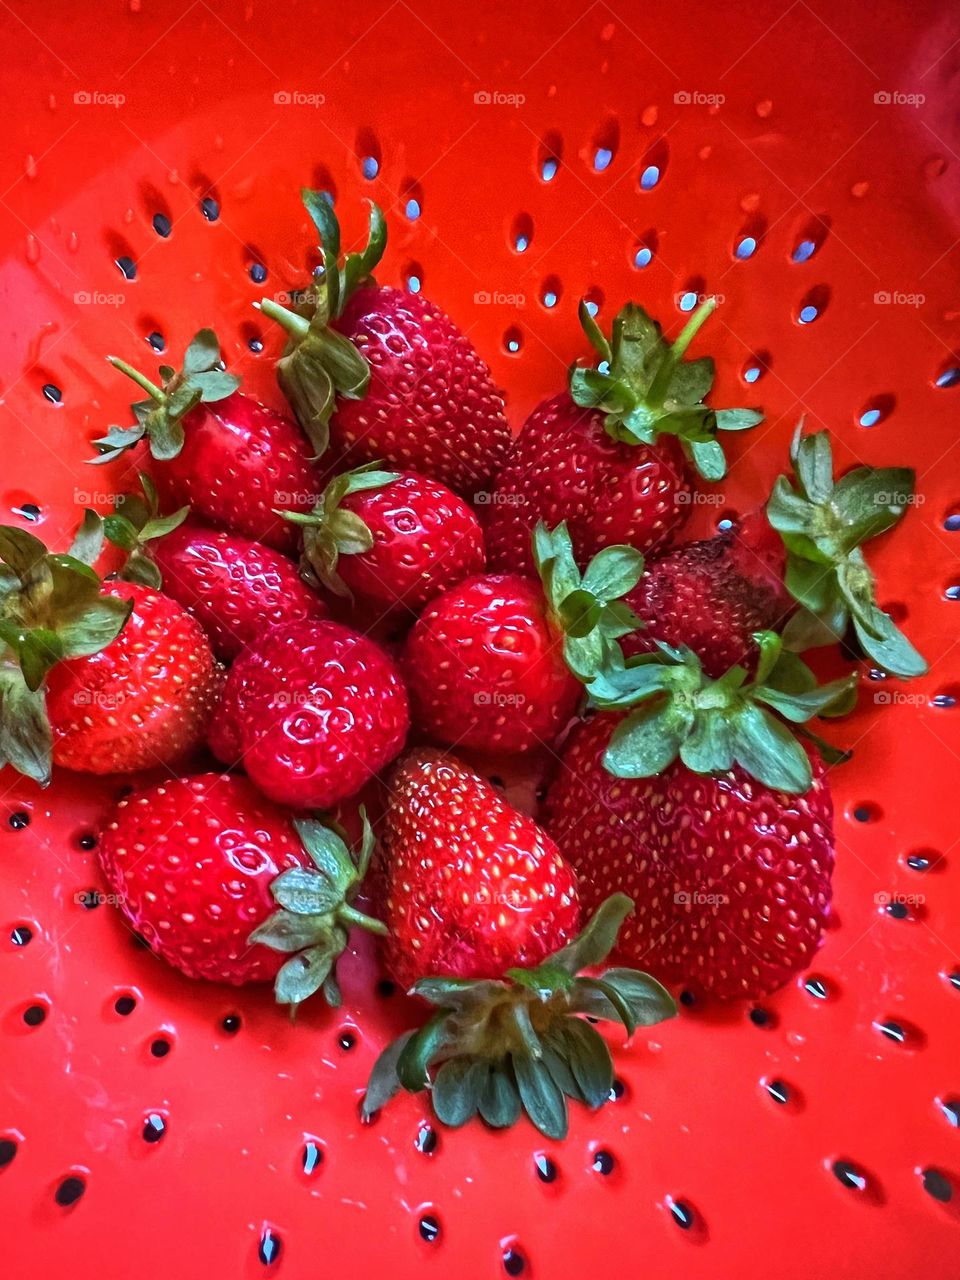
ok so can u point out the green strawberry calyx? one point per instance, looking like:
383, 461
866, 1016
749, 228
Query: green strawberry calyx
677, 712
51, 608
314, 913
587, 608
645, 387
319, 364
823, 523
330, 531
159, 418
136, 522
502, 1047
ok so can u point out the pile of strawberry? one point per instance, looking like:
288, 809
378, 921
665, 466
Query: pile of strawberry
310, 611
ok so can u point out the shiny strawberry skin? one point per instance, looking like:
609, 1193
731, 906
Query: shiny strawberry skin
431, 405
234, 587
425, 540
473, 886
731, 881
713, 595
144, 700
564, 466
485, 667
191, 861
240, 462
314, 710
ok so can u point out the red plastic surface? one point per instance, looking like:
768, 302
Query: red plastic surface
785, 123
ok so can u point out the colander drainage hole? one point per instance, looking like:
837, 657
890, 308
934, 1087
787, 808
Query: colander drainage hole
759, 1017
617, 1090
778, 1091
17, 821
386, 988
848, 1175
429, 1228
426, 1140
127, 267
52, 392
546, 1169
28, 511
817, 988
514, 1263
954, 979
8, 1151
154, 1127
161, 224
271, 1246
87, 841
258, 273
34, 1015
69, 1191
21, 935
951, 1111
937, 1185
160, 1047
346, 1040
125, 1005
210, 208
157, 342
311, 1158
683, 1215
231, 1024
604, 1163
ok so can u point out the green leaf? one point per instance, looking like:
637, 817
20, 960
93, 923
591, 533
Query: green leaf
96, 626
121, 532
709, 459
421, 1049
327, 849
870, 500
213, 386
305, 892
88, 540
457, 1090
162, 525
303, 975
647, 740
691, 381
20, 550
768, 751
737, 419
615, 1000
814, 466
284, 931
593, 332
596, 939
579, 613
540, 1096
384, 1083
165, 434
350, 533
26, 740
202, 354
613, 572
589, 1059
499, 1102
889, 648
709, 746
650, 1001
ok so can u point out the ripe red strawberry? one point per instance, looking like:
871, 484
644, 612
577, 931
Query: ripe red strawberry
731, 879
496, 662
231, 459
382, 373
612, 456
473, 886
713, 595
482, 912
313, 710
235, 588
102, 678
390, 540
224, 885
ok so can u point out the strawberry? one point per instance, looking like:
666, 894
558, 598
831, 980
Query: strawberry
389, 539
235, 588
485, 932
313, 710
98, 677
381, 373
226, 886
496, 662
232, 460
823, 523
713, 595
612, 456
731, 878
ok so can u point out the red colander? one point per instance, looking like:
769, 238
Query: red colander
798, 160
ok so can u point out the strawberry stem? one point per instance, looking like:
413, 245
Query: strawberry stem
296, 326
351, 916
139, 378
661, 383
